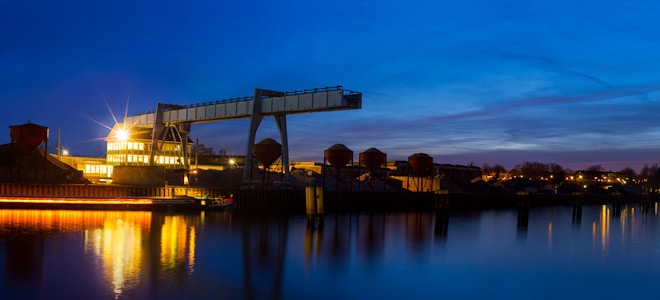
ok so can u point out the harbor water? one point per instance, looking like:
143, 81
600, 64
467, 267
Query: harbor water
586, 252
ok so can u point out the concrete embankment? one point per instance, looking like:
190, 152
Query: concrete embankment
297, 202
287, 201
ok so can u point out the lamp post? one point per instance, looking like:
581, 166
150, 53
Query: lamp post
186, 182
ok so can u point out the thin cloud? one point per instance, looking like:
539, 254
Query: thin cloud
550, 63
613, 93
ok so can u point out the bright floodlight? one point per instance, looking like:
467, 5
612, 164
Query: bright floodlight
122, 135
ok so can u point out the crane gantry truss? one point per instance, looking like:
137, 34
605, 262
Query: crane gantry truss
262, 103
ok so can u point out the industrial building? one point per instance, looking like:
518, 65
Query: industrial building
25, 159
135, 147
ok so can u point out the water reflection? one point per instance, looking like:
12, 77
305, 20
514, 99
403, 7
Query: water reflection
371, 237
522, 223
264, 243
123, 245
576, 216
601, 230
117, 244
177, 244
154, 255
441, 225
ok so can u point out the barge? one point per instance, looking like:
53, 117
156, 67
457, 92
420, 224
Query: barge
178, 203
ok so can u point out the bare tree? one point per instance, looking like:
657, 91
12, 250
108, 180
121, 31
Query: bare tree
494, 171
650, 176
628, 173
557, 172
533, 170
201, 149
595, 168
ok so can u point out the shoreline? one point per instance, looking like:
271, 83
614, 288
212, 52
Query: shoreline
116, 197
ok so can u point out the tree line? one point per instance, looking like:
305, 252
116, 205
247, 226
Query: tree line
555, 173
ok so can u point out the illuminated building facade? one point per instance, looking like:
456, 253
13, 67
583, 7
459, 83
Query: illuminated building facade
128, 147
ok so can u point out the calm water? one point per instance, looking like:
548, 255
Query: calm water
601, 252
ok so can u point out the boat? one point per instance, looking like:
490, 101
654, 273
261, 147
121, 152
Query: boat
112, 203
214, 203
175, 203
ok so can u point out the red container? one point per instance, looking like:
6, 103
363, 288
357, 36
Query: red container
267, 151
373, 158
338, 155
28, 136
420, 162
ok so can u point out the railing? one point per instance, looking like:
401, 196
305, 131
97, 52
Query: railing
249, 98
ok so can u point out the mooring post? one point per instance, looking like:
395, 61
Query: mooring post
310, 198
319, 200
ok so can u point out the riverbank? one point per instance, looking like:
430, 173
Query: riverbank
89, 196
341, 202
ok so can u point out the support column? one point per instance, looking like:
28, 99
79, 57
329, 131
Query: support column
159, 130
156, 133
281, 125
255, 121
184, 130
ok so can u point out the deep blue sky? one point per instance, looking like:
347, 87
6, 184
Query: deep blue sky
563, 81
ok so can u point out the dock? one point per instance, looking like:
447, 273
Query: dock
95, 196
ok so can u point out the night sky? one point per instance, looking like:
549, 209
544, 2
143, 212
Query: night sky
474, 81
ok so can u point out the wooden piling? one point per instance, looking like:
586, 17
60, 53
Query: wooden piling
319, 200
310, 200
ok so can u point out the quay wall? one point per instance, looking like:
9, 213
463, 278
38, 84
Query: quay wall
100, 190
287, 201
341, 202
